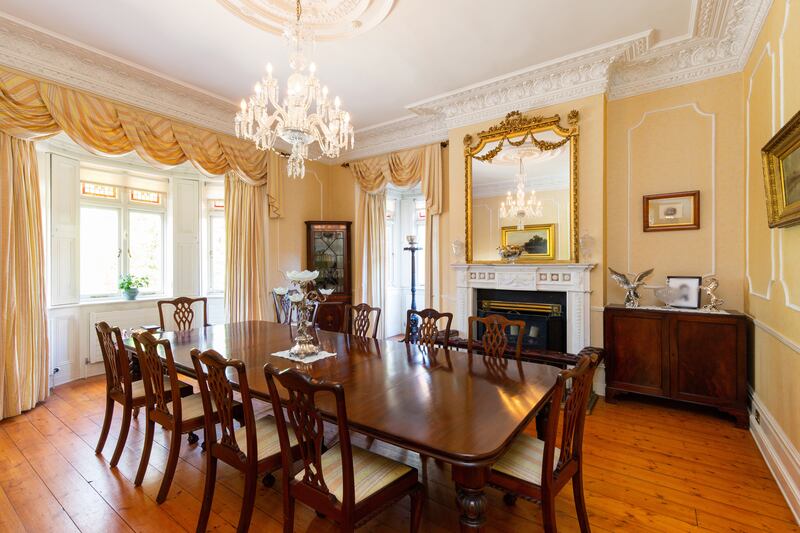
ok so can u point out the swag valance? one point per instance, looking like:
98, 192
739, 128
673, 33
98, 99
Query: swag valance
31, 109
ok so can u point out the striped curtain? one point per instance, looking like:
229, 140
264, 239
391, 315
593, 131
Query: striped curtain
23, 335
246, 212
31, 108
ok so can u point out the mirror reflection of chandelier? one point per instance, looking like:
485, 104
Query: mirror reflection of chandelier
263, 118
517, 206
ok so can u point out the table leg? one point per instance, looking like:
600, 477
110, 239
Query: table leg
470, 482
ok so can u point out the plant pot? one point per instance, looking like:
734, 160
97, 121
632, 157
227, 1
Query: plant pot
130, 294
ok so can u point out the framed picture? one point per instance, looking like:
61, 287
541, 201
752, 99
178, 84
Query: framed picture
537, 241
671, 211
780, 160
688, 291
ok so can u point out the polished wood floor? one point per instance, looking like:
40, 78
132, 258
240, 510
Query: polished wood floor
648, 468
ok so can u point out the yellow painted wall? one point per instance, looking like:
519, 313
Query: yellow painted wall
303, 199
680, 139
771, 91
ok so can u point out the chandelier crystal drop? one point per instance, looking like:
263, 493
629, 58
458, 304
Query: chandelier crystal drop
264, 117
517, 206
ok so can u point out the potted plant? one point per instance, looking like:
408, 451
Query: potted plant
130, 285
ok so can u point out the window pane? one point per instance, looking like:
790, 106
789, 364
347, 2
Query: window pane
145, 197
146, 245
98, 190
217, 273
99, 251
420, 256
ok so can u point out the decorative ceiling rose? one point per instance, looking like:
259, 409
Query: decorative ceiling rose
264, 117
512, 155
328, 19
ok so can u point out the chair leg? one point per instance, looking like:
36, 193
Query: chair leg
135, 412
148, 446
580, 501
288, 513
208, 493
101, 442
416, 509
172, 463
549, 513
123, 435
248, 501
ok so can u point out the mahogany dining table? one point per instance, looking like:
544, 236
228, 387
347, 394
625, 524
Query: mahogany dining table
463, 409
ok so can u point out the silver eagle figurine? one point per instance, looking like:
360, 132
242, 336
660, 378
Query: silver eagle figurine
714, 301
632, 295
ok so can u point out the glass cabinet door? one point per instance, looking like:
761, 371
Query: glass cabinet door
329, 258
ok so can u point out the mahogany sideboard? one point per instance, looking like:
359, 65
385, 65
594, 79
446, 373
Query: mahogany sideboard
689, 356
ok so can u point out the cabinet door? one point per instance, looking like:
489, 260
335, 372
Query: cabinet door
705, 356
639, 361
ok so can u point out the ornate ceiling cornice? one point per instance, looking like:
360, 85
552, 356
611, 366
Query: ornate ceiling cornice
720, 42
34, 51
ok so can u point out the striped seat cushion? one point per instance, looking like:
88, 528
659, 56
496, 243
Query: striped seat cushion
524, 459
371, 472
267, 442
191, 407
137, 387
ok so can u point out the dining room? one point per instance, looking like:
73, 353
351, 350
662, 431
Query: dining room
503, 276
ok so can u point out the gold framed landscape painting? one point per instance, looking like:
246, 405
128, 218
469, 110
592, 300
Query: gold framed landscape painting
780, 159
537, 241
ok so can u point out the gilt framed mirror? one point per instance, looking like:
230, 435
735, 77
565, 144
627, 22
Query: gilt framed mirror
522, 190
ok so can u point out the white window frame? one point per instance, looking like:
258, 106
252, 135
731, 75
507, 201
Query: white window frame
213, 212
125, 207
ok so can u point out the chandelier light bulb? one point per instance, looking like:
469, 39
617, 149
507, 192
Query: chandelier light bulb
304, 115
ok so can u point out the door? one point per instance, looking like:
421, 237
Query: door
704, 355
639, 346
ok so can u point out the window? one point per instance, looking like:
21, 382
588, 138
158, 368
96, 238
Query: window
214, 270
100, 250
216, 249
121, 232
419, 230
391, 208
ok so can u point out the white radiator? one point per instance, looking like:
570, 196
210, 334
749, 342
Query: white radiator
125, 319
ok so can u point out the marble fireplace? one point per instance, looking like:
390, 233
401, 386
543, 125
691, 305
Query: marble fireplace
571, 279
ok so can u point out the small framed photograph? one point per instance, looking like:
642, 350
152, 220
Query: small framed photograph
671, 211
687, 291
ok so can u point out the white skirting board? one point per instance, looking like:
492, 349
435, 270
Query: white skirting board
781, 456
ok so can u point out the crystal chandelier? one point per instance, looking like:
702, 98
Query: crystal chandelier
263, 118
516, 206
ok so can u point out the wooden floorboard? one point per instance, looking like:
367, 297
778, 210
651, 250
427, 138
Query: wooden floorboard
649, 467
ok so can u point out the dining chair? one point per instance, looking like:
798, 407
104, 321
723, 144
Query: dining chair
120, 387
428, 331
186, 415
357, 320
253, 449
538, 469
346, 483
284, 312
494, 341
183, 313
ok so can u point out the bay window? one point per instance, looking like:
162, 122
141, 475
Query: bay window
122, 230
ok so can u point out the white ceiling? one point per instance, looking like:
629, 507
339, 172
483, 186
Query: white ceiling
422, 49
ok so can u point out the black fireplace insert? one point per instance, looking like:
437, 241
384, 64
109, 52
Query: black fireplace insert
543, 312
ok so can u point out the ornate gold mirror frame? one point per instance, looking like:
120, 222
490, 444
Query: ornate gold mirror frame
516, 130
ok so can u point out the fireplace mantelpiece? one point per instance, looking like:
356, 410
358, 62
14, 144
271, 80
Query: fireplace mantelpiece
570, 278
